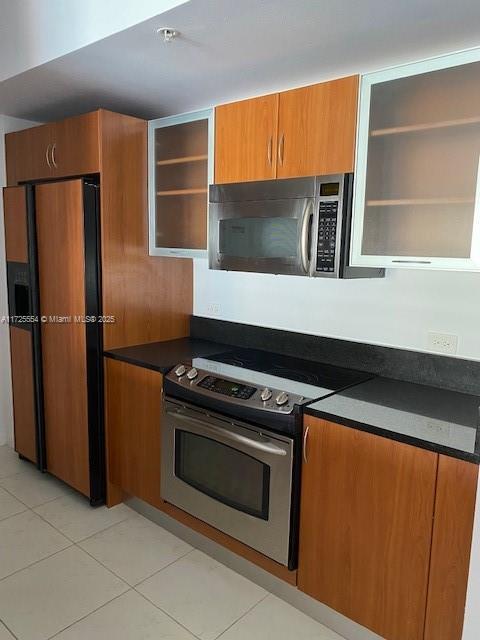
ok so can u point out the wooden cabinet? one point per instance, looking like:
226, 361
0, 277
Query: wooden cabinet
367, 506
246, 140
133, 421
75, 145
417, 194
60, 149
303, 132
451, 544
27, 154
316, 129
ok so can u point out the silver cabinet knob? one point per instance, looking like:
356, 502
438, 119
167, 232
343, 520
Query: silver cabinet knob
266, 394
180, 370
282, 398
192, 374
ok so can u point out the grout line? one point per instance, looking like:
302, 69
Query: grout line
163, 568
137, 584
243, 615
167, 614
110, 526
8, 629
36, 562
88, 614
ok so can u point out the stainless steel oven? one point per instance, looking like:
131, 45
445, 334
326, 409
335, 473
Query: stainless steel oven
230, 474
299, 226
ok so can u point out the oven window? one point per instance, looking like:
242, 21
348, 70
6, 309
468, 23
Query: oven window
259, 237
223, 473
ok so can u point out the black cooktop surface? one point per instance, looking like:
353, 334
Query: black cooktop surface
304, 371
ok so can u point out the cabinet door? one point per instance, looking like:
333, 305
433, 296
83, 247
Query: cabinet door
417, 199
61, 264
316, 129
75, 146
366, 527
27, 154
133, 421
246, 140
180, 170
452, 541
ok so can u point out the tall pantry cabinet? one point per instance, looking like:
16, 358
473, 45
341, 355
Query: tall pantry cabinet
77, 246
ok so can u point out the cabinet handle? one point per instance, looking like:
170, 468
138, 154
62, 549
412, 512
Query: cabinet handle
413, 261
53, 155
269, 150
47, 156
281, 149
305, 438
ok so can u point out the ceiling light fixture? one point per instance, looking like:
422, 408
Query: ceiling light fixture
168, 33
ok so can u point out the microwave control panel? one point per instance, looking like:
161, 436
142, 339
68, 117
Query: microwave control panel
327, 234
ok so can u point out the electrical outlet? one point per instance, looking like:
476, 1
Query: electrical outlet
213, 308
443, 342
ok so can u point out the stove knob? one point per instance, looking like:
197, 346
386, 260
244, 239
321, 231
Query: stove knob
266, 394
180, 370
192, 374
282, 398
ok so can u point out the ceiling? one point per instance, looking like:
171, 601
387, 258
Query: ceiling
230, 49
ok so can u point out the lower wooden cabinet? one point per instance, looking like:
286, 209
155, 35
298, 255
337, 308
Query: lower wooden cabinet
133, 412
385, 532
366, 525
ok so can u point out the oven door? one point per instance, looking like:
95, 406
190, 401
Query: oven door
264, 236
235, 478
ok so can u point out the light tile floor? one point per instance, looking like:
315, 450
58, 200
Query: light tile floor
71, 572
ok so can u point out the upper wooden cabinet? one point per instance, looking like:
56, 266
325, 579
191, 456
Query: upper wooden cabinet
417, 192
316, 129
303, 132
367, 506
69, 147
246, 140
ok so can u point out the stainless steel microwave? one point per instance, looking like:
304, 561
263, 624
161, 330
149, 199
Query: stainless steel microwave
299, 226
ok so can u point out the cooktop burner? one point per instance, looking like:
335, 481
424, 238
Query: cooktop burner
290, 368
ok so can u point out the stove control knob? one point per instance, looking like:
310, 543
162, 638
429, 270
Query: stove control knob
282, 398
266, 394
180, 370
192, 374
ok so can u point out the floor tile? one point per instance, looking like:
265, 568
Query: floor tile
5, 633
135, 548
72, 515
26, 538
203, 595
33, 487
9, 505
274, 619
129, 617
10, 463
47, 597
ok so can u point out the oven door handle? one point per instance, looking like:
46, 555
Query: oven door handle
305, 237
228, 435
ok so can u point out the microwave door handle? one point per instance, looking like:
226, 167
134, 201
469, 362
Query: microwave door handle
228, 435
305, 236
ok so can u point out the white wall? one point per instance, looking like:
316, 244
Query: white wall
48, 29
398, 310
6, 417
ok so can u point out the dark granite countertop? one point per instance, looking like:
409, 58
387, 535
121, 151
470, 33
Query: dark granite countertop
162, 356
436, 419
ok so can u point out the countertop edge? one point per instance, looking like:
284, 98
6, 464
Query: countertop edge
398, 437
138, 363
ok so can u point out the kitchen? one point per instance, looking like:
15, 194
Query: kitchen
281, 387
